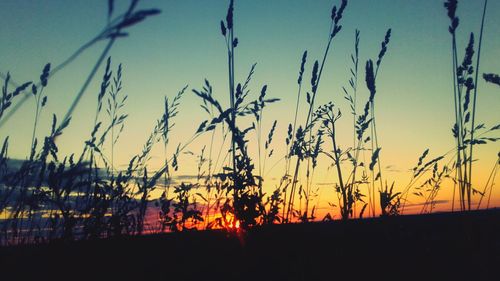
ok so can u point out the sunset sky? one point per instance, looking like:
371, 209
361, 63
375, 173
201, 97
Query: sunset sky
183, 46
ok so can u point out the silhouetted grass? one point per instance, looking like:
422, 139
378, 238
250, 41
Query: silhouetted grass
465, 95
83, 195
302, 147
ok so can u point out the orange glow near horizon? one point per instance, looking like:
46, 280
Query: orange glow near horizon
414, 104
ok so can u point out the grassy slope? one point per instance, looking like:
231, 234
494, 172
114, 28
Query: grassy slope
437, 246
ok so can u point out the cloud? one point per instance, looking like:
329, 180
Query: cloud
435, 202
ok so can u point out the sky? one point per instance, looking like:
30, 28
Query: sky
183, 46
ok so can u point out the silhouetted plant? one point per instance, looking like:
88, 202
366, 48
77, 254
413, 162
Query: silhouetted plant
285, 181
492, 78
113, 30
115, 102
40, 99
170, 111
8, 97
351, 95
50, 197
246, 193
242, 184
360, 124
488, 187
389, 201
185, 214
433, 185
329, 117
465, 79
371, 76
422, 168
274, 202
335, 27
348, 186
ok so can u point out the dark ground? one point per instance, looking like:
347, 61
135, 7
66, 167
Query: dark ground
458, 246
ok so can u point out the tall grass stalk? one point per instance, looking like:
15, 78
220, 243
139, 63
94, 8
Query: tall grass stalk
493, 181
489, 183
40, 100
474, 98
113, 30
463, 85
231, 43
291, 135
246, 203
351, 97
375, 148
170, 111
329, 117
335, 28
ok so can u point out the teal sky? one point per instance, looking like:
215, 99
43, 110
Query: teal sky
183, 45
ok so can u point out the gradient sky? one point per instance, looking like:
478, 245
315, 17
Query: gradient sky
183, 46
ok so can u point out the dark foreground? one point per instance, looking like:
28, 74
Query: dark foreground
458, 246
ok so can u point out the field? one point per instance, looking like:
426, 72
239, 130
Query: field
450, 246
373, 154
